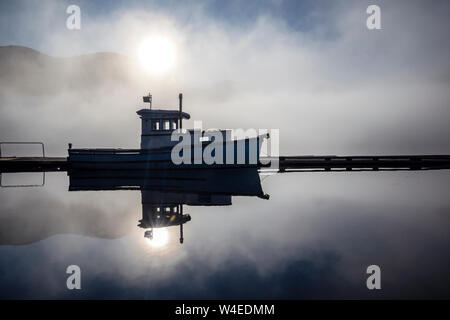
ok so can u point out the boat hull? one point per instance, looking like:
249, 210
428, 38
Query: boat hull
161, 159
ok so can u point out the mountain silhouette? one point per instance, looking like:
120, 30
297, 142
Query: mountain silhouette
33, 72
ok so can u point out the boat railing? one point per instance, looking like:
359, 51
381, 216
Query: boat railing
104, 151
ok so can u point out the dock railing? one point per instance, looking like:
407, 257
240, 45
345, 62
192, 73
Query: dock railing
22, 143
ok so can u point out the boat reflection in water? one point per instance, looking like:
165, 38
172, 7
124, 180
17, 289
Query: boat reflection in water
165, 192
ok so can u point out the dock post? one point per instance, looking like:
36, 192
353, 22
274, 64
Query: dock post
181, 224
180, 98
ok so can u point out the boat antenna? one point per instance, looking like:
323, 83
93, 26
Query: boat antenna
180, 98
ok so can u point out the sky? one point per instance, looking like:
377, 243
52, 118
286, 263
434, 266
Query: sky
330, 84
311, 69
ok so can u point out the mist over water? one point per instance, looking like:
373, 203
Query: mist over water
330, 85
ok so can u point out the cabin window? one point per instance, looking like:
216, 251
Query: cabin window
155, 124
167, 209
174, 124
166, 125
175, 209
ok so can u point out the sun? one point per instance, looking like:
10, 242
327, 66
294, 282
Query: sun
160, 238
156, 54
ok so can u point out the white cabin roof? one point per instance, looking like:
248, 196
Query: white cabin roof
161, 114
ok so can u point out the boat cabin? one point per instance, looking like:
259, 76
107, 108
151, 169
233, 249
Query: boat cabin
157, 127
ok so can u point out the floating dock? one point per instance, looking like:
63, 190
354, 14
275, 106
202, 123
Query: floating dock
363, 163
33, 164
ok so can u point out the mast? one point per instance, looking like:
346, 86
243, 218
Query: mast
180, 98
181, 224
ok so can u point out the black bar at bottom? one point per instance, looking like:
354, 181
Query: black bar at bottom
178, 309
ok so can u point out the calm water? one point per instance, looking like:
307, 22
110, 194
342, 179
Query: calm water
314, 238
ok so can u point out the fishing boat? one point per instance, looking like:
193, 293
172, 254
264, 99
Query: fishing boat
165, 145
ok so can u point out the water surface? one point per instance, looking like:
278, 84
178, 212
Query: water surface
314, 238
